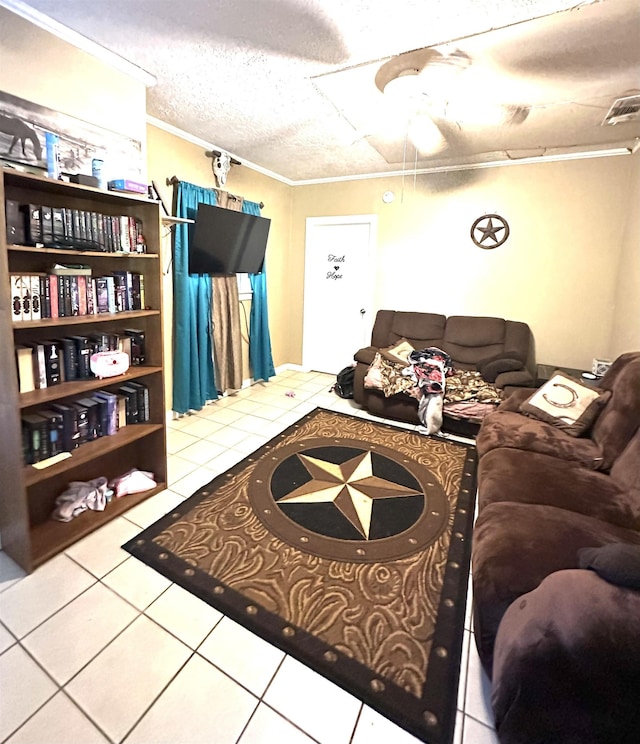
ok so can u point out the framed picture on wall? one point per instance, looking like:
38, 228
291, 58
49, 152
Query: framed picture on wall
24, 124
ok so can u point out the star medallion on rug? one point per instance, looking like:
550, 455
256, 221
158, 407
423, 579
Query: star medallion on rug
345, 543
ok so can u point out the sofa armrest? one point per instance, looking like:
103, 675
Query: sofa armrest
516, 378
366, 355
570, 647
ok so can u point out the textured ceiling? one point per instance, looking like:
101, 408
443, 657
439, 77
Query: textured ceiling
288, 85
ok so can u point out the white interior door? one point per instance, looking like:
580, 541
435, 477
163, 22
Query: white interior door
338, 290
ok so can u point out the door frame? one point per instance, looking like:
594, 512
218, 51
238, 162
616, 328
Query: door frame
368, 280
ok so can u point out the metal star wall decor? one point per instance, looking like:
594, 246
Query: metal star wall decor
489, 231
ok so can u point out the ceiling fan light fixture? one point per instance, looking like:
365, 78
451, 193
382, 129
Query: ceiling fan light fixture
425, 134
405, 86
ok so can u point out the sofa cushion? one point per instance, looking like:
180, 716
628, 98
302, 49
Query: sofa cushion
505, 428
532, 478
423, 327
567, 404
515, 546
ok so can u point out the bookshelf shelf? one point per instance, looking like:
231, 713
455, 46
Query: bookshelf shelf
25, 249
89, 451
83, 319
29, 535
78, 388
49, 538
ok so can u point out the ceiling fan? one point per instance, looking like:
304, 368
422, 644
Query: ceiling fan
435, 84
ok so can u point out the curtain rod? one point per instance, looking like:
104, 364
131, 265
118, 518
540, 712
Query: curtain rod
174, 180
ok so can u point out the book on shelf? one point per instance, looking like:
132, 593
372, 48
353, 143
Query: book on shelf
33, 232
110, 420
46, 225
122, 410
55, 430
83, 355
102, 294
138, 350
82, 294
131, 403
36, 312
45, 296
24, 360
70, 432
19, 287
14, 222
82, 417
70, 359
143, 400
52, 362
92, 406
39, 366
35, 438
70, 269
52, 281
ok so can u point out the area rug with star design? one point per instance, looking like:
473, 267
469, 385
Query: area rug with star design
345, 543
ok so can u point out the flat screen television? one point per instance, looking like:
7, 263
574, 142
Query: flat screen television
227, 242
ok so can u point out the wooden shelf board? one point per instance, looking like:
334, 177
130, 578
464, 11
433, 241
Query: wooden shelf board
83, 319
50, 538
73, 252
90, 451
80, 387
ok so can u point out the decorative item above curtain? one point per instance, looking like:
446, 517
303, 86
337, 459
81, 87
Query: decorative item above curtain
193, 377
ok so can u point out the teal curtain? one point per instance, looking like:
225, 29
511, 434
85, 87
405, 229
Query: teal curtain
260, 357
193, 376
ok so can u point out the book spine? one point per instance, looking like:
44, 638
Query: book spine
52, 362
68, 226
70, 357
125, 243
39, 366
102, 295
111, 293
36, 313
82, 294
17, 289
45, 297
46, 224
33, 224
15, 222
53, 294
91, 296
26, 380
57, 225
83, 352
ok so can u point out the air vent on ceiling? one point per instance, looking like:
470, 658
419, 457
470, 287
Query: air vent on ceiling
623, 109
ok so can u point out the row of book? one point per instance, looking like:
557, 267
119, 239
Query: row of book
76, 229
62, 427
51, 362
66, 291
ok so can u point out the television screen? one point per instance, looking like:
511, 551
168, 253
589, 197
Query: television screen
227, 242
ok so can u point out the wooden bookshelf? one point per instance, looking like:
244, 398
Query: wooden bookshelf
29, 535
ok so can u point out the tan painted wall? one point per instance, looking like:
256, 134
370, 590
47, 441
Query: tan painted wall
626, 320
559, 270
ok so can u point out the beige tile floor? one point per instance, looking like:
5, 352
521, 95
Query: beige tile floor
97, 647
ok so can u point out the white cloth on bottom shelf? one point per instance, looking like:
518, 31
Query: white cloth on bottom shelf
79, 497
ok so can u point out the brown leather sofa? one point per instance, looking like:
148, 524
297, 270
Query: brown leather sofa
561, 643
502, 348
